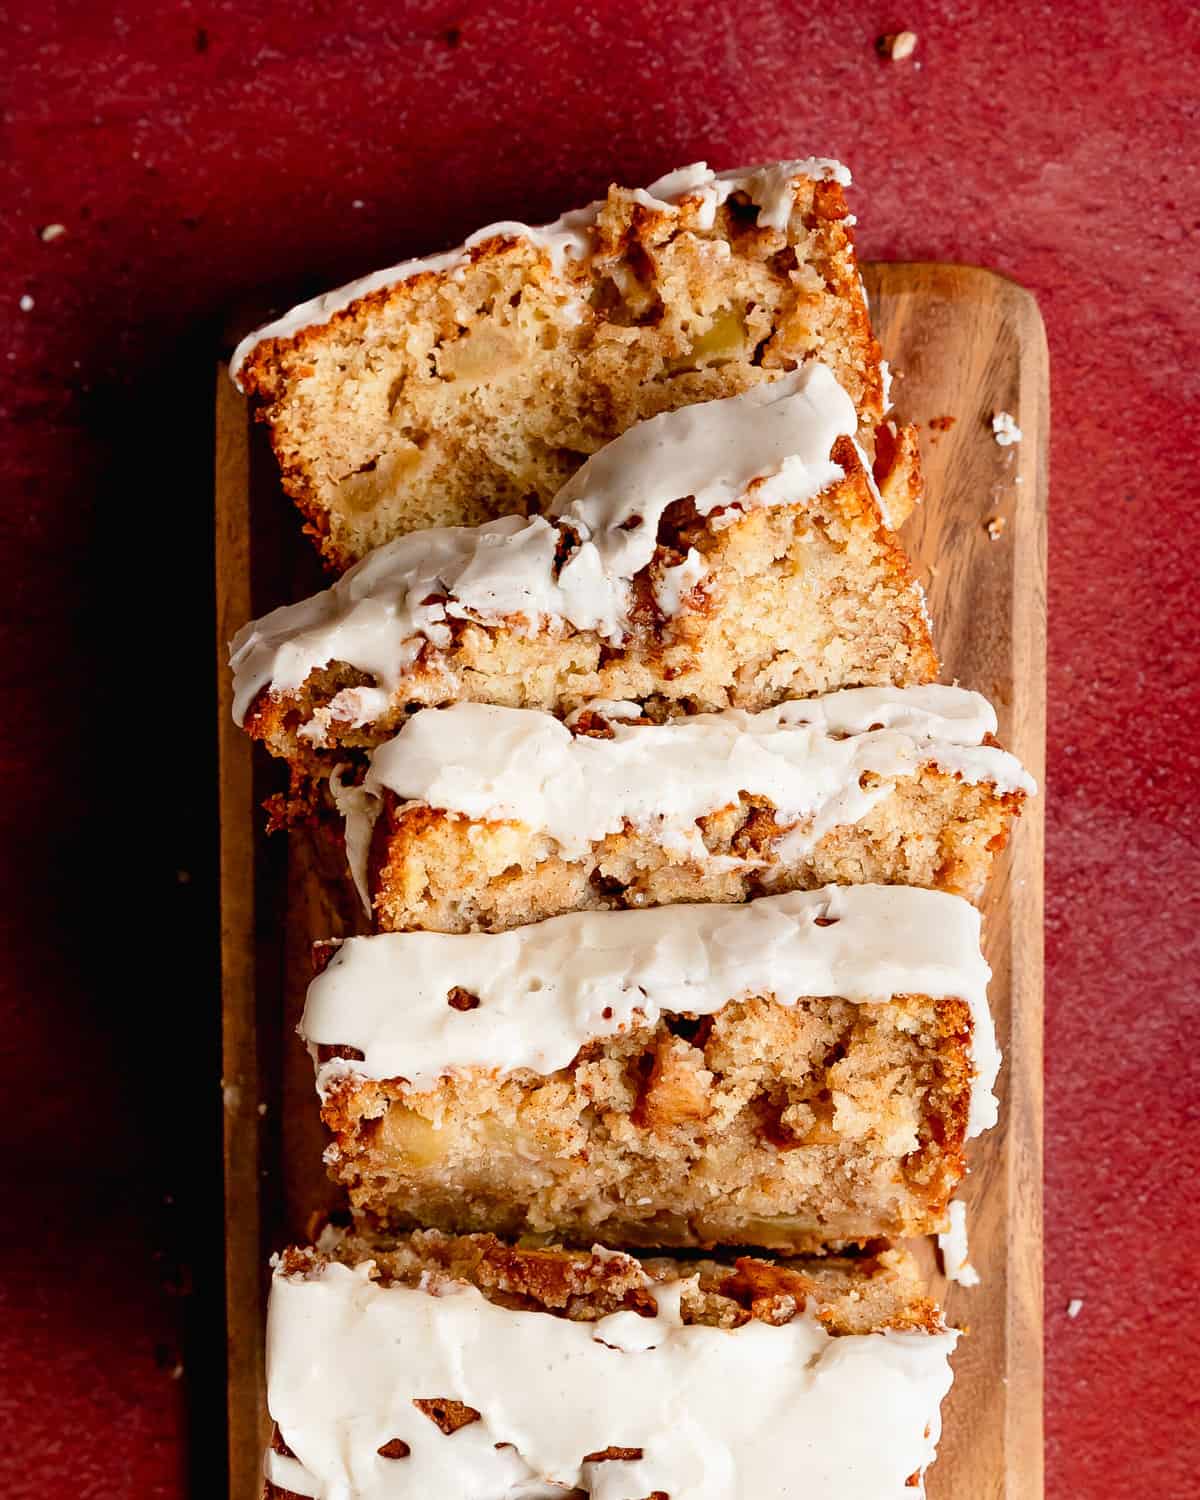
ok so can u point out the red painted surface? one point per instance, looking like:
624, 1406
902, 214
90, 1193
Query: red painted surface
196, 152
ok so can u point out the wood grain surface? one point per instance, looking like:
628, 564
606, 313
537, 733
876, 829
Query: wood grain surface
963, 343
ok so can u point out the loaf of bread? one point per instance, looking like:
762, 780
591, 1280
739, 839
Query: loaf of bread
622, 710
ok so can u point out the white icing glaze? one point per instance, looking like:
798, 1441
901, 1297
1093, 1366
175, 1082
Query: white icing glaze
674, 584
886, 378
1005, 429
611, 709
359, 808
767, 446
754, 1413
955, 1252
769, 187
807, 757
546, 989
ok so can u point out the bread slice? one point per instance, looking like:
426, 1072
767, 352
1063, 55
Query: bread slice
478, 818
438, 1366
802, 1069
727, 555
451, 390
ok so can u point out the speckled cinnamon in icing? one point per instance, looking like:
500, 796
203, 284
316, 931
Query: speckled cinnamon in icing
759, 1412
807, 757
546, 989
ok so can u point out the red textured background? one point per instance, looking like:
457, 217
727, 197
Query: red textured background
197, 152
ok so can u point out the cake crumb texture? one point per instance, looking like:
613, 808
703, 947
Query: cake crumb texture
782, 1126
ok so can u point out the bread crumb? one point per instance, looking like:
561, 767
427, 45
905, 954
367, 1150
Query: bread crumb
1004, 429
26, 303
942, 424
1074, 1307
52, 232
898, 45
995, 527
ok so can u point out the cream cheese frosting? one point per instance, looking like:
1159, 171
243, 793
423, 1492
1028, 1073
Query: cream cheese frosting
808, 757
952, 1244
768, 446
754, 1413
546, 989
769, 187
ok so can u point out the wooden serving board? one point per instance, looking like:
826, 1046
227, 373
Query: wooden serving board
963, 343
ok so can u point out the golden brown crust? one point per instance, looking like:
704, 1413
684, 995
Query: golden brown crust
897, 470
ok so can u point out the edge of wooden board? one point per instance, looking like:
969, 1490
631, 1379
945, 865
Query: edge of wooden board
240, 1083
249, 909
246, 1130
1025, 1307
1019, 880
1024, 1438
